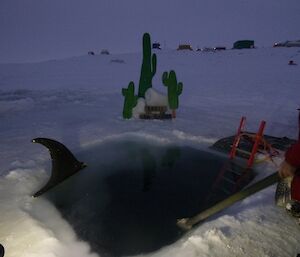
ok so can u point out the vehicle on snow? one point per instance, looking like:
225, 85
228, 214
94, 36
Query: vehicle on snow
288, 43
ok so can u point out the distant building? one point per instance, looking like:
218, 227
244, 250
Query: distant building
206, 49
291, 62
295, 43
185, 47
219, 48
156, 46
243, 44
104, 51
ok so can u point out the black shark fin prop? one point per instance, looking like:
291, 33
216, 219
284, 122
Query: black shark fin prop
64, 164
1, 250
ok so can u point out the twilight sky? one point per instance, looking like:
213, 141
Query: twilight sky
34, 30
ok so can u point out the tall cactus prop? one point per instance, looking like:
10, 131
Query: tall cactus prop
148, 69
130, 100
174, 90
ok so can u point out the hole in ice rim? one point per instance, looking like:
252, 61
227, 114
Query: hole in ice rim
2, 251
127, 200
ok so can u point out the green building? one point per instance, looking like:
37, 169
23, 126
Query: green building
243, 44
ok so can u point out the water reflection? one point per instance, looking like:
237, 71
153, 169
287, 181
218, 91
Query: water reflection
172, 154
149, 169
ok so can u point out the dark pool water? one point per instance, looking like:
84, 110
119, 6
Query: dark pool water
128, 199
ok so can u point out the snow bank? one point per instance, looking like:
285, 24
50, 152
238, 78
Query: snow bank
32, 226
78, 101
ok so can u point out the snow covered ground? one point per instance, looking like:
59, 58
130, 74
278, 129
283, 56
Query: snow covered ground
78, 101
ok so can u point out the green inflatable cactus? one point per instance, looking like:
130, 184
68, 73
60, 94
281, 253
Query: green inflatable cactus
148, 69
130, 100
174, 89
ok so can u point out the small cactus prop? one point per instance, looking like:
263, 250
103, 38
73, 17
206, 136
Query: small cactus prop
148, 69
174, 90
130, 100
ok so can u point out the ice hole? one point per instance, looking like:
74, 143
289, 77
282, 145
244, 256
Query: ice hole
128, 199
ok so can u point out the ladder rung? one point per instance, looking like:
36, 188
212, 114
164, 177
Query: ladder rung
226, 191
234, 165
236, 172
229, 180
243, 151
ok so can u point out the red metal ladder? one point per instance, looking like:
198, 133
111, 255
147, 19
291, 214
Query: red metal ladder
231, 173
257, 141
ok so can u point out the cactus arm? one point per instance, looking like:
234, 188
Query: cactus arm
130, 100
154, 63
179, 88
130, 88
165, 78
